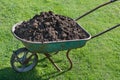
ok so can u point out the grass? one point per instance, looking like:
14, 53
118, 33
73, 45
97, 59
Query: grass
98, 60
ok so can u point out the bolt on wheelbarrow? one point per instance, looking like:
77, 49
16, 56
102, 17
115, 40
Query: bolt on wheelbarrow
25, 59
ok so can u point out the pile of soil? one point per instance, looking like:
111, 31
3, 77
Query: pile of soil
49, 27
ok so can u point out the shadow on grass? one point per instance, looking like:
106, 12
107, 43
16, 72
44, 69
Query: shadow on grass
53, 74
9, 74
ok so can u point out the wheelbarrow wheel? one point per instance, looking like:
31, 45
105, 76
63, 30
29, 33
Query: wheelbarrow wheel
23, 60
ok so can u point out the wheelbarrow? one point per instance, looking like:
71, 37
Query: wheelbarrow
25, 59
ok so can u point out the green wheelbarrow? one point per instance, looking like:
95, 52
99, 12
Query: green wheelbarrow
25, 59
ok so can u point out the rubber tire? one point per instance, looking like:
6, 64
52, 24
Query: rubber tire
17, 52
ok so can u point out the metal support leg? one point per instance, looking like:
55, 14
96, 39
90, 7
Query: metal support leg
67, 55
48, 56
70, 61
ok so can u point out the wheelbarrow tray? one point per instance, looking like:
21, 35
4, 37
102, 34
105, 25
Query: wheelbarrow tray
52, 46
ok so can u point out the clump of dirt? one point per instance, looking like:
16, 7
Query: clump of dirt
49, 27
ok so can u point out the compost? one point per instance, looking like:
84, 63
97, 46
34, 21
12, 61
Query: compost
48, 26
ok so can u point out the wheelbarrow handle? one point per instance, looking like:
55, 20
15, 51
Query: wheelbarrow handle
111, 1
118, 25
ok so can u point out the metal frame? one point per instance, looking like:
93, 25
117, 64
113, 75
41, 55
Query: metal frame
55, 65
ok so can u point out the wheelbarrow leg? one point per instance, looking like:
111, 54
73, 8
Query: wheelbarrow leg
67, 55
48, 56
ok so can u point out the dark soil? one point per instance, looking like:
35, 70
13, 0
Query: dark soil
49, 27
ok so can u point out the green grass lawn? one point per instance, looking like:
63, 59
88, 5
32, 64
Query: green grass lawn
99, 59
